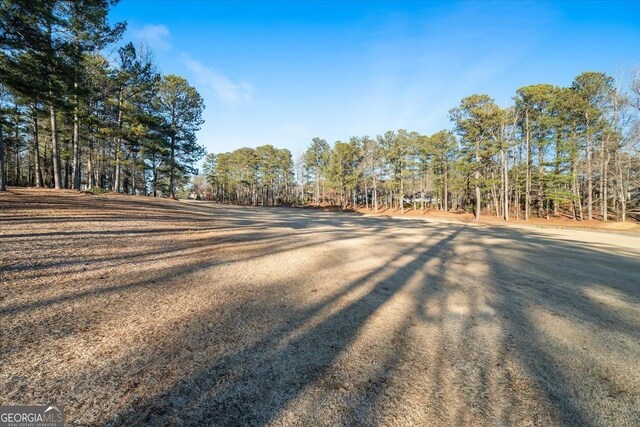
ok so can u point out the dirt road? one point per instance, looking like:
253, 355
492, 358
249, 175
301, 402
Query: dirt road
131, 310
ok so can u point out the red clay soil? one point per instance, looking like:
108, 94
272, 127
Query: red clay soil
488, 218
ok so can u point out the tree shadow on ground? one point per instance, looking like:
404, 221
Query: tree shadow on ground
248, 399
258, 384
474, 292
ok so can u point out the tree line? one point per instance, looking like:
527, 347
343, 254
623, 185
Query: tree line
73, 117
569, 151
250, 176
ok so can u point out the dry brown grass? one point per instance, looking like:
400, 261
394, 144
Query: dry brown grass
134, 311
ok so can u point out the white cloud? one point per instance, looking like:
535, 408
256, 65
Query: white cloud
226, 89
156, 36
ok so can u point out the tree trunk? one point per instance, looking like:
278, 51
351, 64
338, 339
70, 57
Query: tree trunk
477, 191
55, 149
3, 174
527, 185
557, 165
17, 174
477, 181
155, 179
36, 143
517, 193
76, 156
366, 194
401, 193
90, 170
118, 142
375, 193
172, 190
76, 144
446, 189
506, 186
605, 192
66, 173
589, 175
623, 191
576, 193
589, 184
46, 166
541, 210
495, 195
133, 174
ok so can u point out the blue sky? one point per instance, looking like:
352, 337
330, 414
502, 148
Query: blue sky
281, 73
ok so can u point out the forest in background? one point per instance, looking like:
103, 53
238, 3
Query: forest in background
570, 151
73, 117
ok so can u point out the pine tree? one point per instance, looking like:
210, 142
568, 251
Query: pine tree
317, 158
477, 120
181, 107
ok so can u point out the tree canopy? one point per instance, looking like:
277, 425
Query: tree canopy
70, 117
567, 151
